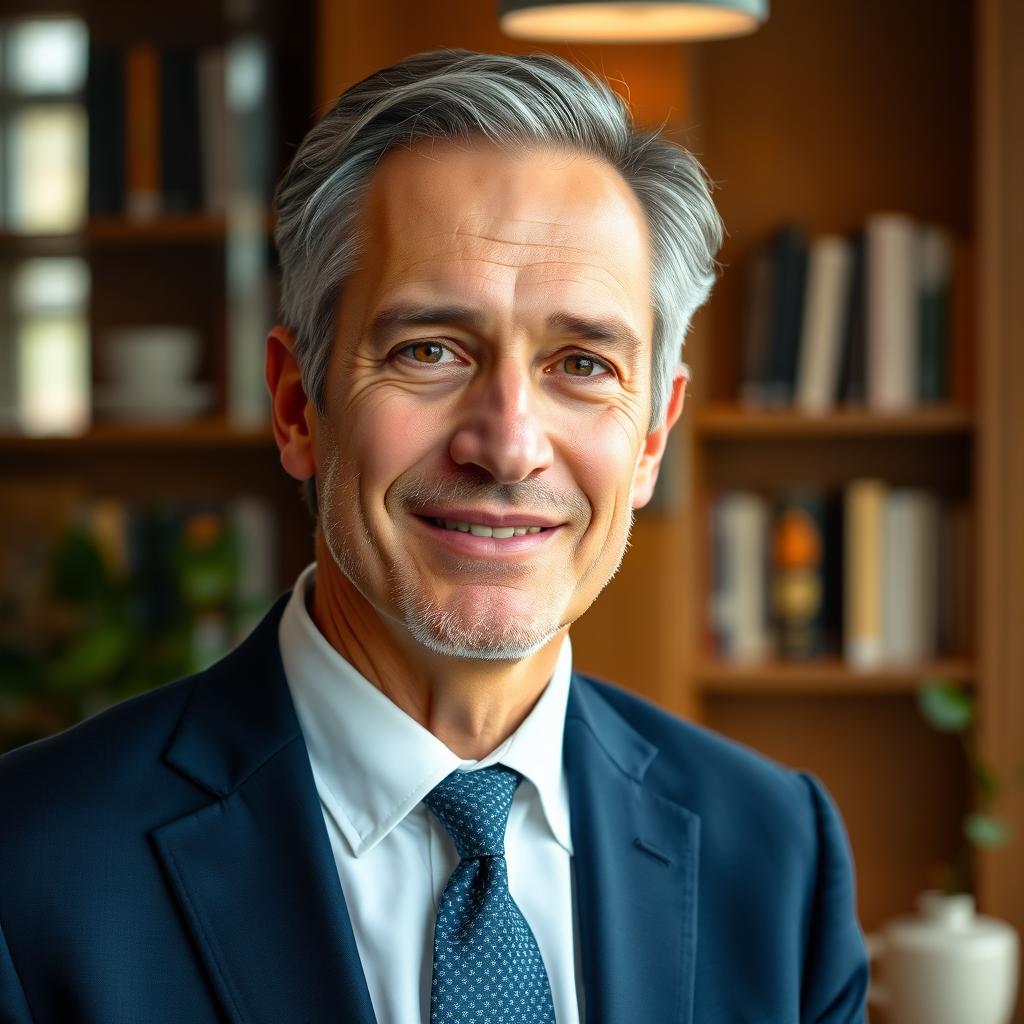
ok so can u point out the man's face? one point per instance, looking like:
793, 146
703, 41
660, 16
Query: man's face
491, 367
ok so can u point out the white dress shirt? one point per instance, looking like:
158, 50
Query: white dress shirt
373, 765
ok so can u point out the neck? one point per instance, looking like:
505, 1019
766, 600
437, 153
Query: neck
472, 706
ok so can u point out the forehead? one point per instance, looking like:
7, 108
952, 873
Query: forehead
531, 225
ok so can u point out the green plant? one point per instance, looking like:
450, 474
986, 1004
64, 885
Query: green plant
949, 708
111, 634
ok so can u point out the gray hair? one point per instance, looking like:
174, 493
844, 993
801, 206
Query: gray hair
513, 101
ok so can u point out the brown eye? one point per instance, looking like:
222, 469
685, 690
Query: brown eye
427, 351
579, 365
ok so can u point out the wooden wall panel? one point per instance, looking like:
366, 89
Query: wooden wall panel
357, 38
1000, 206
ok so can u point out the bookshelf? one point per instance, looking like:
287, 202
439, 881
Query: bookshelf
823, 141
176, 267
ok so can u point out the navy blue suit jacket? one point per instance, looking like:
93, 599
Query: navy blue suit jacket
167, 861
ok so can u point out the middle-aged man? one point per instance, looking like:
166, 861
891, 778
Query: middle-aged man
395, 800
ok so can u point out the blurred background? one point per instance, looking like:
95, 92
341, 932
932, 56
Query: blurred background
832, 571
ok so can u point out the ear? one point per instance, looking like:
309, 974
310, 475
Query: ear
293, 415
646, 474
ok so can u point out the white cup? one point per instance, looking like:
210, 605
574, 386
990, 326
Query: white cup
151, 359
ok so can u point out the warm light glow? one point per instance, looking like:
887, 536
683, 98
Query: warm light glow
627, 22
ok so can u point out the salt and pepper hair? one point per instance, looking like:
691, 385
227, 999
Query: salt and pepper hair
514, 102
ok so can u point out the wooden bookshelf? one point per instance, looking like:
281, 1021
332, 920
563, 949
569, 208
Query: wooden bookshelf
825, 677
723, 420
209, 433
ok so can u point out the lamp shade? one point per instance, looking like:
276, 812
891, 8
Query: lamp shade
626, 21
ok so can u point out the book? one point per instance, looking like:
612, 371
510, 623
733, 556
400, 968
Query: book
936, 271
963, 324
760, 287
911, 576
826, 301
863, 559
739, 602
213, 125
892, 311
790, 263
142, 132
181, 175
104, 102
853, 372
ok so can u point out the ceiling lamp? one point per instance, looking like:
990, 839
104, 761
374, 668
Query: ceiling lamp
625, 21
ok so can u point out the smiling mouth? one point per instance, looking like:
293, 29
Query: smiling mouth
481, 530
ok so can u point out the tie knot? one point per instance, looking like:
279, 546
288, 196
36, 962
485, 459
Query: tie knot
473, 808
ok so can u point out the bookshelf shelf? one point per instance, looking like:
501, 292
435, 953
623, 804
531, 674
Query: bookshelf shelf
186, 227
724, 421
825, 677
112, 231
205, 433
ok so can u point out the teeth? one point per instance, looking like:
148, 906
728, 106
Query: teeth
479, 530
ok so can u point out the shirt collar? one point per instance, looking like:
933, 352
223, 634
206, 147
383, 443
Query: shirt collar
373, 763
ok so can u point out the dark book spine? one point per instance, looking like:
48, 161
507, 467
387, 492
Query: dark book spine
853, 377
757, 324
104, 104
181, 167
787, 313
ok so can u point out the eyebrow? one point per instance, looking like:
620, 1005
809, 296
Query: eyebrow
602, 330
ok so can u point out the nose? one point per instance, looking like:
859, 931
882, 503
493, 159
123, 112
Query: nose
500, 428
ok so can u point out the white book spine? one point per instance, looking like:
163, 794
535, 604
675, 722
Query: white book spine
744, 519
899, 583
829, 278
214, 130
893, 282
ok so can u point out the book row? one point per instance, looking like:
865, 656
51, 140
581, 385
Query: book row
169, 134
875, 574
880, 318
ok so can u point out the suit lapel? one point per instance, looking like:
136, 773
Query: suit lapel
253, 872
636, 858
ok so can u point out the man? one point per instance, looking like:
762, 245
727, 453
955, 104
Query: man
395, 801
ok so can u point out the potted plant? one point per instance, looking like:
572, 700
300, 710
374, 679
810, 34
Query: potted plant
947, 964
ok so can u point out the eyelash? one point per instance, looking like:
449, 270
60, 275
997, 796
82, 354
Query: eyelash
610, 372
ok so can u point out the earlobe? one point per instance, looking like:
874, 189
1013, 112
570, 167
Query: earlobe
291, 411
649, 462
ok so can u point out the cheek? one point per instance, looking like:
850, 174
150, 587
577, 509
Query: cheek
602, 454
388, 434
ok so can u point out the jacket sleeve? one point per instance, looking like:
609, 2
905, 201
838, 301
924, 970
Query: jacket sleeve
13, 1005
836, 973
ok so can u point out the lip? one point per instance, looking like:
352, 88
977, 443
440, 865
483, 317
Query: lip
485, 518
489, 547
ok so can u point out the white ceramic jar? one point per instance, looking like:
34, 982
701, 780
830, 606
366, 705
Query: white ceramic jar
946, 965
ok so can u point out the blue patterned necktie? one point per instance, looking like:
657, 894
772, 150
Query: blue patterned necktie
487, 967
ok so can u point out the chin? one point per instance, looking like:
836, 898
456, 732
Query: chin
476, 629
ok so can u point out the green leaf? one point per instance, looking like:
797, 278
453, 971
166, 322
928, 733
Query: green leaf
946, 707
986, 781
92, 659
19, 671
984, 830
79, 573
